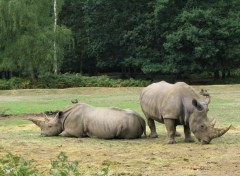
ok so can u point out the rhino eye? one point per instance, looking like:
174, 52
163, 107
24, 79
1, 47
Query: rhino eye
49, 125
202, 126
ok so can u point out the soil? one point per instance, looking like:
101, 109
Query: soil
139, 157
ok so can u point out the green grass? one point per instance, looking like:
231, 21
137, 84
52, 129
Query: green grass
37, 101
14, 122
124, 157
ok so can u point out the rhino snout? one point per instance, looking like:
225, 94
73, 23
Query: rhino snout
205, 141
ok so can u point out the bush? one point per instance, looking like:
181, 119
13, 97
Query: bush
62, 167
13, 165
16, 165
70, 80
4, 85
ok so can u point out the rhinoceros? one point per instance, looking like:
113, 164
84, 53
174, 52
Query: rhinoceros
82, 120
179, 104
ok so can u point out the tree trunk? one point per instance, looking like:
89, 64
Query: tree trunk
223, 74
216, 74
228, 73
55, 64
123, 72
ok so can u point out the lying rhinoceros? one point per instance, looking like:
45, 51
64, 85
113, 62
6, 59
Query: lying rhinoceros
178, 104
83, 120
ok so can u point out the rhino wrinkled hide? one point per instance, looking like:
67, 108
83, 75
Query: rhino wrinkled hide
83, 120
179, 104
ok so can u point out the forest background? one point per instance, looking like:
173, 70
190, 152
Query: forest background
60, 43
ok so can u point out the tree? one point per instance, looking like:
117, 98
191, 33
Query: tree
74, 16
116, 30
202, 37
27, 36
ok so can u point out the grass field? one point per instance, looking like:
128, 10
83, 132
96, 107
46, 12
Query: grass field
122, 157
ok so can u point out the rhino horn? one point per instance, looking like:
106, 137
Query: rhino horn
213, 122
219, 132
37, 122
46, 118
208, 100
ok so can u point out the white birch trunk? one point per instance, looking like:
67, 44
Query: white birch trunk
55, 66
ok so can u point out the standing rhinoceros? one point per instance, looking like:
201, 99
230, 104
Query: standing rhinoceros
83, 120
178, 104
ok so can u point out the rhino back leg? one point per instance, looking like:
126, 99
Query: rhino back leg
152, 127
171, 130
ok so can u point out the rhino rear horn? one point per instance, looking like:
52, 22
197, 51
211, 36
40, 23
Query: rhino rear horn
213, 122
37, 122
219, 132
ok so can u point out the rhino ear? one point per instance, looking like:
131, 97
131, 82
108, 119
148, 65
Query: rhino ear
197, 105
59, 114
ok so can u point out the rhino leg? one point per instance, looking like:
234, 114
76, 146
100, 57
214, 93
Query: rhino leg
66, 134
152, 127
177, 134
171, 130
187, 132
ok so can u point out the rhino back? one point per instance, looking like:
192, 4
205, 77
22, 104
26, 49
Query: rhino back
108, 123
164, 100
151, 99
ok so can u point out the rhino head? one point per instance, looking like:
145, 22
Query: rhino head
201, 126
50, 126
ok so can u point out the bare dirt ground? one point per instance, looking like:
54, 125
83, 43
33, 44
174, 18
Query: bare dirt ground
125, 157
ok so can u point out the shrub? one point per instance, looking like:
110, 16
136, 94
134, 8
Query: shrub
63, 167
16, 165
4, 85
13, 165
70, 80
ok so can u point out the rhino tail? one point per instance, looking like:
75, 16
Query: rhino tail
143, 125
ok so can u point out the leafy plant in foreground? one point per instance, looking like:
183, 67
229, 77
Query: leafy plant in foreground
12, 165
63, 167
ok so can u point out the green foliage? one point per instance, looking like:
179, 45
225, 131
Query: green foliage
13, 165
70, 80
152, 37
104, 172
4, 84
63, 167
27, 37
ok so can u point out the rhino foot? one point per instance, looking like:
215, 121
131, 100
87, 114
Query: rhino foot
171, 141
190, 139
177, 134
153, 135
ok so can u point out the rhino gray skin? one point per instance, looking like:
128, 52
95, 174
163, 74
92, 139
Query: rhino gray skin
178, 104
82, 120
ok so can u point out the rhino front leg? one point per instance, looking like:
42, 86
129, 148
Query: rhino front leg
171, 130
152, 127
187, 132
66, 134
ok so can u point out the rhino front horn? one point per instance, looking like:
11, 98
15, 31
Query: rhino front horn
37, 122
219, 132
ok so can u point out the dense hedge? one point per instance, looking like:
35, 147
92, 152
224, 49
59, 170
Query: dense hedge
70, 80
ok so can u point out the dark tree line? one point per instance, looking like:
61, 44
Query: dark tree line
173, 37
154, 37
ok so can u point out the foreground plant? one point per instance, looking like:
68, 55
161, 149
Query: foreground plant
63, 167
17, 165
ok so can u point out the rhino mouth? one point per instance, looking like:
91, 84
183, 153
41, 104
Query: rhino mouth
204, 141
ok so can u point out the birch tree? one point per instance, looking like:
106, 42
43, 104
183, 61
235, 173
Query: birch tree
27, 37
